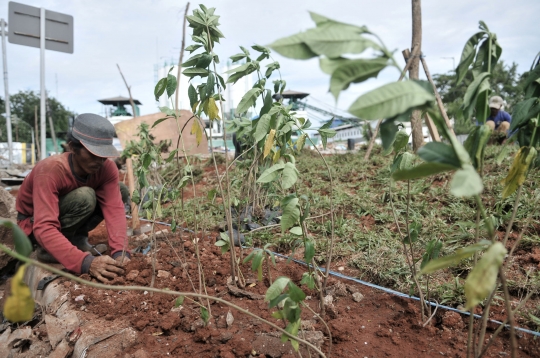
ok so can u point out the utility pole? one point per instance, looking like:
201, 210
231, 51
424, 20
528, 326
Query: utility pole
416, 119
3, 24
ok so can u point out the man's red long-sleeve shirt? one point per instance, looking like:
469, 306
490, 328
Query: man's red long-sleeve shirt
39, 196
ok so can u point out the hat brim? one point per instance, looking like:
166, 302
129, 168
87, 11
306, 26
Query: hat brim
496, 106
102, 151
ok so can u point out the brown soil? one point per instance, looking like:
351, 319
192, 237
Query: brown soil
380, 325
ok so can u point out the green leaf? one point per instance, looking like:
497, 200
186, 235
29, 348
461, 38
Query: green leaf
160, 120
263, 127
194, 72
248, 100
438, 152
276, 288
289, 176
401, 141
433, 248
192, 94
146, 159
355, 71
271, 173
329, 65
520, 114
308, 280
391, 100
388, 131
476, 144
257, 260
135, 197
333, 40
466, 182
403, 161
205, 315
192, 61
478, 86
192, 48
297, 230
171, 85
309, 251
210, 85
160, 88
179, 301
518, 171
291, 212
467, 56
293, 47
295, 293
452, 260
482, 280
22, 243
422, 170
204, 60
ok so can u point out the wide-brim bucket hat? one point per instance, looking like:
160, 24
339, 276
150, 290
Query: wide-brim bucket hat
96, 134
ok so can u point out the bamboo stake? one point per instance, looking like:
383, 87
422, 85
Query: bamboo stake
131, 184
437, 96
432, 129
181, 59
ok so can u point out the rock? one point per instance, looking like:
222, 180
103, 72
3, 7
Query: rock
196, 325
328, 300
340, 289
163, 274
341, 268
307, 325
352, 289
162, 233
132, 275
57, 328
237, 237
357, 297
453, 320
229, 319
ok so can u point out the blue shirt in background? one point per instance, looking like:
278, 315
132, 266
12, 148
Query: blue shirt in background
502, 116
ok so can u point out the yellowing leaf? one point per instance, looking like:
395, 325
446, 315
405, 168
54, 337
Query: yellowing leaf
194, 108
518, 171
19, 306
269, 143
212, 109
197, 130
276, 156
300, 142
483, 277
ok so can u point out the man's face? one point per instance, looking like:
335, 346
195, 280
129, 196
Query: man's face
87, 162
494, 111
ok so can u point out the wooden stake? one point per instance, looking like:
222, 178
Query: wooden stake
180, 60
134, 208
437, 96
416, 117
37, 133
432, 128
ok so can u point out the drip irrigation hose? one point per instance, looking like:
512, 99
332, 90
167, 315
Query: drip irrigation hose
384, 289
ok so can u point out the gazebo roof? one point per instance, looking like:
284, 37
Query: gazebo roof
294, 94
116, 100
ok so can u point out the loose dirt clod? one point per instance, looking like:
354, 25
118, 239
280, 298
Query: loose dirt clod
357, 297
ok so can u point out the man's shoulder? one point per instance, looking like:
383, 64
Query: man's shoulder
505, 115
52, 165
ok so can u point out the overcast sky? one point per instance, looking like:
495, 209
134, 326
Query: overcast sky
138, 34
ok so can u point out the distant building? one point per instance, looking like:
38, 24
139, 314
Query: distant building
115, 108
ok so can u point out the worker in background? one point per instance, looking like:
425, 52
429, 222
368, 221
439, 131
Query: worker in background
499, 120
67, 195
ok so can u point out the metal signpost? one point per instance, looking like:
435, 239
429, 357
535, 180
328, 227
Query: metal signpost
6, 89
37, 27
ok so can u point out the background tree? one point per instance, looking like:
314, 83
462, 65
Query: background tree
23, 110
505, 82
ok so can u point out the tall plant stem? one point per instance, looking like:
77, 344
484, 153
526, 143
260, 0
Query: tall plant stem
227, 197
103, 286
487, 221
330, 247
180, 60
412, 266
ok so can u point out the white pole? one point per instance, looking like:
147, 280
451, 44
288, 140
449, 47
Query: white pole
6, 89
43, 112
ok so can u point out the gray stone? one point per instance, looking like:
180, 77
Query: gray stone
357, 297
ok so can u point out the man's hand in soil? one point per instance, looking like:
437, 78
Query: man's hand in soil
123, 262
104, 268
